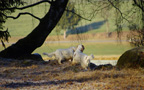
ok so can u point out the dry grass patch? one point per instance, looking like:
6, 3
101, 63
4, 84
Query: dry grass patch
96, 57
107, 57
52, 76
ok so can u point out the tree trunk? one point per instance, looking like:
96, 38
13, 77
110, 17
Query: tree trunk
36, 38
107, 26
65, 35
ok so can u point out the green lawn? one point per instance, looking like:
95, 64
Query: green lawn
90, 48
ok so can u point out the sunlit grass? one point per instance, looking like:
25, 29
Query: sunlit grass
97, 49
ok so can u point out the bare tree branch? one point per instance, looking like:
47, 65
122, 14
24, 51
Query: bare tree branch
77, 14
100, 7
24, 13
21, 8
140, 6
118, 10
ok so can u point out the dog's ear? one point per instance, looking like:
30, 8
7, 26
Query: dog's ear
82, 48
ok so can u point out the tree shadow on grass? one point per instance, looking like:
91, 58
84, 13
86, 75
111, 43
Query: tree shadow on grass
43, 81
56, 82
82, 79
59, 82
86, 28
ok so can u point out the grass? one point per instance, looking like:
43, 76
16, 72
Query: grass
97, 49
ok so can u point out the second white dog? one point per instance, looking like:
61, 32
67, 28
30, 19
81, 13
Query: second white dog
80, 58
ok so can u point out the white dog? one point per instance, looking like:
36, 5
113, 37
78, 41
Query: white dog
80, 58
62, 54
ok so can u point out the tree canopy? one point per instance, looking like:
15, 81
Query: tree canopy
69, 19
128, 13
6, 9
134, 16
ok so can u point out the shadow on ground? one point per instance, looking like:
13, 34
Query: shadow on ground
38, 70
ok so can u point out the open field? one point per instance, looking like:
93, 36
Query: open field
97, 44
100, 50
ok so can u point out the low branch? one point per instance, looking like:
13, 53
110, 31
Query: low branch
141, 7
21, 8
99, 9
77, 14
118, 10
24, 13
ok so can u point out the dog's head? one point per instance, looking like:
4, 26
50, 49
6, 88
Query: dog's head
81, 47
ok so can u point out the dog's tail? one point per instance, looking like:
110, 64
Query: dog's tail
49, 54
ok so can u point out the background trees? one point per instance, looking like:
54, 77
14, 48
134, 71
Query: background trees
69, 19
133, 15
128, 13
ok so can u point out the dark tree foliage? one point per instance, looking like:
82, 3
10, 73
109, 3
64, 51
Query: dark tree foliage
69, 19
5, 9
